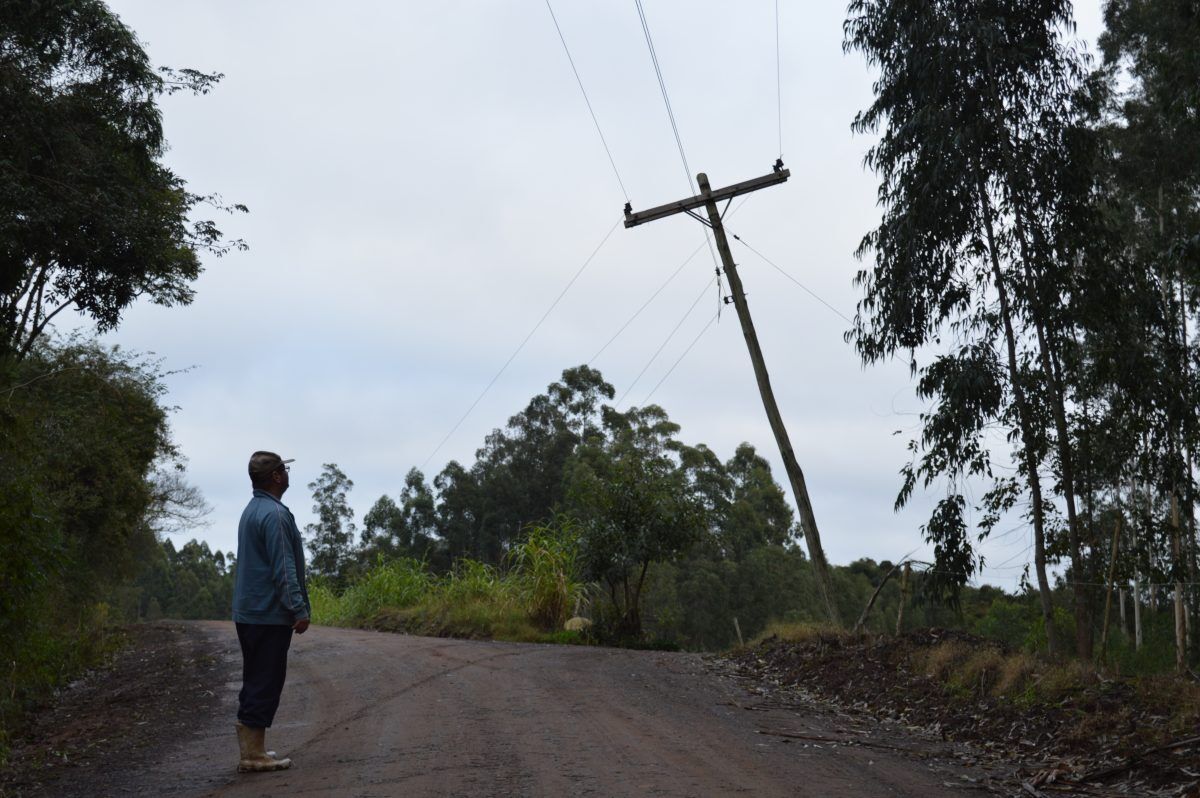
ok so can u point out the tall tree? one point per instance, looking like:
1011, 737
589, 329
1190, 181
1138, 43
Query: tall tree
633, 505
331, 536
407, 529
1155, 138
517, 478
975, 105
90, 218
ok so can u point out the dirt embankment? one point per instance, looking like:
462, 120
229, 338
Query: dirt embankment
375, 714
1043, 729
160, 687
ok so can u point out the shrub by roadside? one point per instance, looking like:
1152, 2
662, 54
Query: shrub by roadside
528, 602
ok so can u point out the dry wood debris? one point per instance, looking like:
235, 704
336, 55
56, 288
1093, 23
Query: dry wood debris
1092, 736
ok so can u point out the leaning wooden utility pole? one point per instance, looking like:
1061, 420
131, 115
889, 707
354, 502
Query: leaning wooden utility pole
708, 199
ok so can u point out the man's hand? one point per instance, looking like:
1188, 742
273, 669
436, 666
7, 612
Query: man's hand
300, 626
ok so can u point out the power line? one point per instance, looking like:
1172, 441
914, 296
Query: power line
665, 283
521, 346
662, 85
779, 269
663, 345
703, 330
687, 170
583, 91
646, 304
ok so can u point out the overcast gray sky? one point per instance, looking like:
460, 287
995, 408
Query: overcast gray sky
424, 179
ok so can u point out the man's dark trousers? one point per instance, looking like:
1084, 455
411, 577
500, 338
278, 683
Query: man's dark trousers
264, 668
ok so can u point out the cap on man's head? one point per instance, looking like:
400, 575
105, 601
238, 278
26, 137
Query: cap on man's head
263, 463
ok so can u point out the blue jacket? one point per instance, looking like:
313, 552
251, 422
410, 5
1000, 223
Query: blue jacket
270, 585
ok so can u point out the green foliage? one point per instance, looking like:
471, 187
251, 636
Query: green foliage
192, 583
90, 218
407, 529
546, 566
81, 430
529, 601
1157, 654
396, 583
634, 506
517, 477
331, 537
1009, 621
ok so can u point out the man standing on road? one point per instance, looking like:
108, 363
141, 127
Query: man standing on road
270, 602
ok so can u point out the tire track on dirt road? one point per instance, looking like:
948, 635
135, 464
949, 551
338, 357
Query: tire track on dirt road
370, 714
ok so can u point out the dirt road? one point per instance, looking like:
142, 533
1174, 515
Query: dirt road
373, 714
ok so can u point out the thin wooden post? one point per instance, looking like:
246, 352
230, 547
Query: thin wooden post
904, 588
862, 619
1121, 605
1137, 573
1137, 611
1180, 621
1112, 572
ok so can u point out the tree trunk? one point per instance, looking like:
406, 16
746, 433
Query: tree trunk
1180, 622
1121, 606
1057, 396
1026, 423
1137, 611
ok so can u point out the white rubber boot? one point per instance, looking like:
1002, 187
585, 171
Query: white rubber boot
254, 756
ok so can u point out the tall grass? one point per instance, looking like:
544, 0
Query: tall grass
396, 583
546, 566
529, 600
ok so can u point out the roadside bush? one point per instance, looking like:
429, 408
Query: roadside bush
545, 564
1008, 621
528, 602
81, 429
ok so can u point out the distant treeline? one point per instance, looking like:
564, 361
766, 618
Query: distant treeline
681, 548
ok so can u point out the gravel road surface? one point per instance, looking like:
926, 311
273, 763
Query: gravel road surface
376, 714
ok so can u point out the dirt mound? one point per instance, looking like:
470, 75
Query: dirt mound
1060, 725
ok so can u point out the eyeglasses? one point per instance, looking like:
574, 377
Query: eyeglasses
285, 468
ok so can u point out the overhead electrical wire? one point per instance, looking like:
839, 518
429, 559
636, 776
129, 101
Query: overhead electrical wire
645, 304
663, 345
591, 111
741, 201
524, 341
779, 269
662, 85
679, 360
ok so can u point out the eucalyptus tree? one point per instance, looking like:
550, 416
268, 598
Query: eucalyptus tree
974, 104
404, 529
331, 536
90, 218
1155, 138
517, 477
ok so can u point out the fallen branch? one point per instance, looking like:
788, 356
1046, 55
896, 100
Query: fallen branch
867, 609
835, 741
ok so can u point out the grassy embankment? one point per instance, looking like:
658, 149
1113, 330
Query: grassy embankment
527, 602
